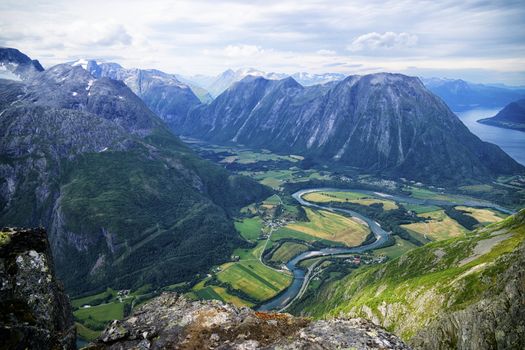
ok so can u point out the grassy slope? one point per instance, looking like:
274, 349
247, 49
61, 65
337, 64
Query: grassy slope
146, 206
439, 277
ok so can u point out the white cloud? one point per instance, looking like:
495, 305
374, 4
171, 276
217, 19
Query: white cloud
243, 51
387, 40
325, 52
274, 35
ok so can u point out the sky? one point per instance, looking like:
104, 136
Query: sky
479, 41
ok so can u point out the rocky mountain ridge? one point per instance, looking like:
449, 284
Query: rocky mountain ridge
15, 65
173, 322
163, 93
386, 123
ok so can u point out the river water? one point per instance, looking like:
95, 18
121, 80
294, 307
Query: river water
511, 141
285, 298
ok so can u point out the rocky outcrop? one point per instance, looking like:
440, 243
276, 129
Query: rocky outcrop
173, 322
35, 311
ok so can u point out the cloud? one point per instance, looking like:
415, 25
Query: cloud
326, 52
113, 35
387, 40
209, 36
243, 50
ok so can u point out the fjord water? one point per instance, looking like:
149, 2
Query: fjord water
511, 141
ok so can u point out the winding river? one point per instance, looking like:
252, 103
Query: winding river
301, 276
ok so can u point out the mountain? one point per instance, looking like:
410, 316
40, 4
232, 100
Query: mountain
36, 313
125, 202
217, 85
14, 65
385, 123
172, 322
510, 117
462, 293
163, 93
460, 95
308, 79
229, 77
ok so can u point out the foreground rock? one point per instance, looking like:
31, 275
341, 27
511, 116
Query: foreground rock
35, 312
173, 322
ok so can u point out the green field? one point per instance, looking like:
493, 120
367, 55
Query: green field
91, 320
94, 299
399, 248
332, 227
347, 196
287, 251
254, 278
249, 228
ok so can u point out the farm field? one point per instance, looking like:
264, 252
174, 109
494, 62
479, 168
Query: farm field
249, 228
352, 197
441, 226
484, 216
287, 251
254, 278
101, 313
332, 227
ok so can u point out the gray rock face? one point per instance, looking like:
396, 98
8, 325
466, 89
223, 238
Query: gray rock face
172, 322
385, 123
15, 65
163, 93
36, 313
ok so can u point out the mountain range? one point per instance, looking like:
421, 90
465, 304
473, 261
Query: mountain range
384, 123
510, 117
217, 85
461, 95
125, 202
163, 93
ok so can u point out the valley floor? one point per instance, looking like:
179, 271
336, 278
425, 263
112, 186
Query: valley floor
278, 229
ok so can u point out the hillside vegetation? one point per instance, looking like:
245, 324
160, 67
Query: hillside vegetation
465, 292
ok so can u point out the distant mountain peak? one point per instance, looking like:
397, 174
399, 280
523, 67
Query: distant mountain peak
15, 65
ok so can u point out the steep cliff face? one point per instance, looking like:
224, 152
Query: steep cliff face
386, 123
35, 311
464, 293
172, 322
